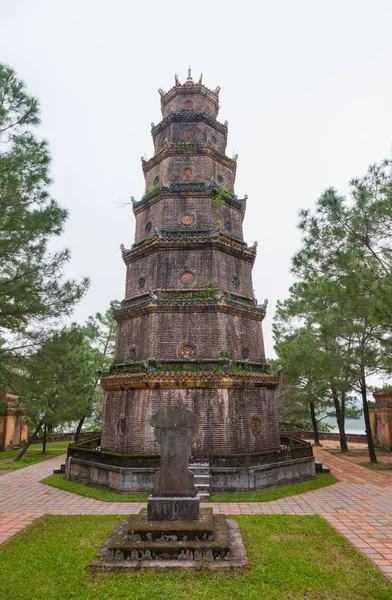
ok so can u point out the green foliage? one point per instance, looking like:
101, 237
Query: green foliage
342, 303
220, 195
60, 377
153, 190
100, 332
291, 557
58, 481
322, 479
224, 353
3, 407
32, 289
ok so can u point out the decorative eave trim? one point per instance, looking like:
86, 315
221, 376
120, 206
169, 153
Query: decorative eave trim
203, 189
135, 381
196, 88
187, 301
189, 116
187, 240
190, 151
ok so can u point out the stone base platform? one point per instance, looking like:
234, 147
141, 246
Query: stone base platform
173, 509
211, 544
224, 478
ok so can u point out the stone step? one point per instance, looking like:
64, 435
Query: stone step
320, 468
204, 497
201, 472
202, 478
59, 471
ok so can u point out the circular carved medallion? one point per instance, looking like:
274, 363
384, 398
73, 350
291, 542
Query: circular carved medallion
188, 105
187, 351
188, 219
188, 134
187, 172
187, 278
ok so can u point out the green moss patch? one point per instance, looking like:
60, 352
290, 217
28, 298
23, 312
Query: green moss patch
59, 481
292, 558
322, 479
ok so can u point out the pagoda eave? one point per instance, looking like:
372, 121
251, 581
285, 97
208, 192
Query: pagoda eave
180, 150
187, 241
190, 89
126, 313
134, 381
188, 117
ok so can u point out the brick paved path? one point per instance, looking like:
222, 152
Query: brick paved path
359, 506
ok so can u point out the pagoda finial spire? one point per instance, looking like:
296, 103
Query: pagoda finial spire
189, 75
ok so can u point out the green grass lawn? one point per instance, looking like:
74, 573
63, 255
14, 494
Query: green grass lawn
292, 558
58, 481
380, 466
364, 453
31, 457
322, 479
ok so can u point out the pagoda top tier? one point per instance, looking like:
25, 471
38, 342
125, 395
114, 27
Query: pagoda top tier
190, 96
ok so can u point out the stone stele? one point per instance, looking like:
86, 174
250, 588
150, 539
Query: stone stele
174, 495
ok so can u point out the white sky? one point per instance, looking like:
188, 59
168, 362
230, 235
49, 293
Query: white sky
305, 85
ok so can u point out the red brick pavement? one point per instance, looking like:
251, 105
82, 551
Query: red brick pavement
359, 506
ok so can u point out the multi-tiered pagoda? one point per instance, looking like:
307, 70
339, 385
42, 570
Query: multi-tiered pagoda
189, 328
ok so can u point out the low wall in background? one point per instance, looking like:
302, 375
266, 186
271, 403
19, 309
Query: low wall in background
65, 437
360, 438
304, 435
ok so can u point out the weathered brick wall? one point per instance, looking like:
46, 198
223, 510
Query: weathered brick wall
197, 102
201, 167
163, 269
165, 214
197, 132
162, 335
230, 420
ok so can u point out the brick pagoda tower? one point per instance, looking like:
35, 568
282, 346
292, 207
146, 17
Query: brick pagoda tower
189, 329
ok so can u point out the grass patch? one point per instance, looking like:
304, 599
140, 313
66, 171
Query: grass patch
53, 445
59, 481
357, 452
31, 457
292, 558
380, 466
322, 479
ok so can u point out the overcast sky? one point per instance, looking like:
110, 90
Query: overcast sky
305, 85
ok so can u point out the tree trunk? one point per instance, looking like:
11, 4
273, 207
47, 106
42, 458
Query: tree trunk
79, 428
314, 423
21, 453
44, 440
368, 429
340, 414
